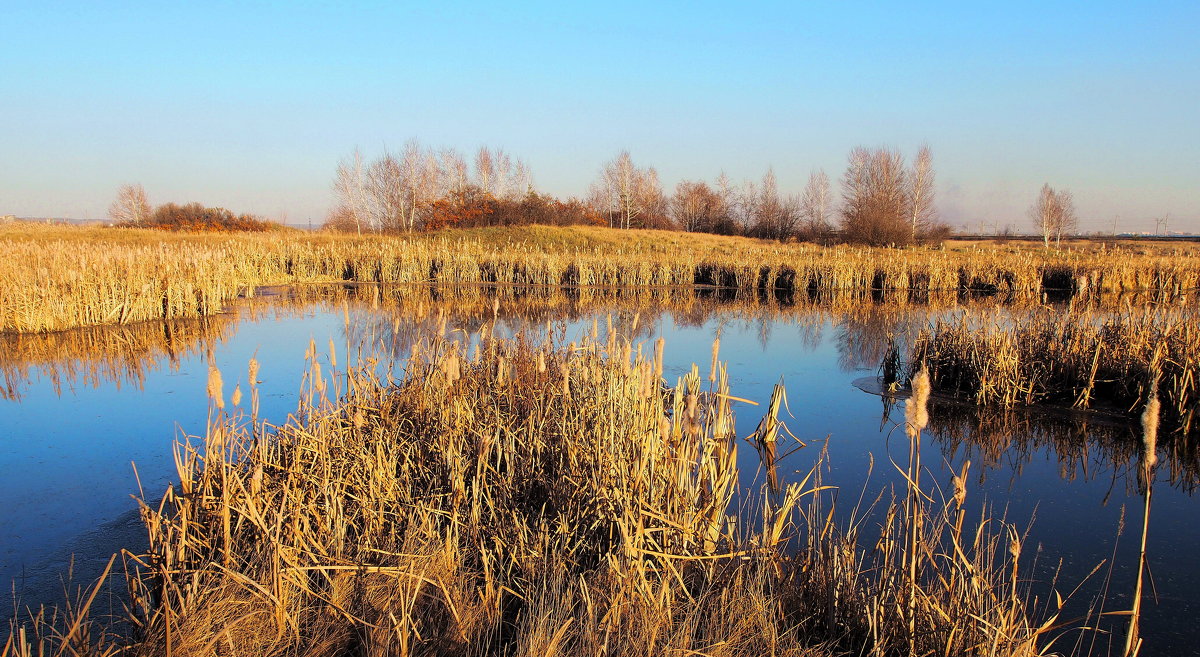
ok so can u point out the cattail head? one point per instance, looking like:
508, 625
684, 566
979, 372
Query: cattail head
253, 371
659, 344
916, 411
332, 354
1150, 433
236, 397
214, 387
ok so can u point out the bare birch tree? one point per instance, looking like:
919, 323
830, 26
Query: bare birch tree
419, 181
522, 180
454, 171
485, 169
350, 191
386, 204
922, 211
621, 191
131, 206
1053, 214
816, 204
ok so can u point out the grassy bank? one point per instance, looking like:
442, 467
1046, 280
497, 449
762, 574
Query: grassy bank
55, 278
540, 500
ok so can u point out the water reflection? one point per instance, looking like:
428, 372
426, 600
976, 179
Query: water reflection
819, 342
1086, 445
95, 356
866, 327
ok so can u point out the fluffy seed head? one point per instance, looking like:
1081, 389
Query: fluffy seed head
1150, 433
214, 387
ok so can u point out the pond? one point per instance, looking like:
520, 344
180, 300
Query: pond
89, 417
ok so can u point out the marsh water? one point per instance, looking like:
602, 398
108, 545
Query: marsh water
88, 420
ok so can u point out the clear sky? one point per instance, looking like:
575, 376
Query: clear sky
251, 105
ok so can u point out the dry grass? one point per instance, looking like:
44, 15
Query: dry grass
1079, 358
538, 500
55, 278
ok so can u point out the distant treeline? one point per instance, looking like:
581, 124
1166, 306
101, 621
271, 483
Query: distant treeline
132, 209
884, 200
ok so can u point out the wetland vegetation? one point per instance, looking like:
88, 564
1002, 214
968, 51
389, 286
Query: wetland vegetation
449, 487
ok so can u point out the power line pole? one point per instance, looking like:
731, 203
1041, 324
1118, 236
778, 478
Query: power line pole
1160, 224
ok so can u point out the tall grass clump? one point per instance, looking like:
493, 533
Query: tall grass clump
1078, 358
536, 499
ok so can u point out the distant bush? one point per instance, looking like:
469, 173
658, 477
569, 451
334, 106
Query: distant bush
197, 217
471, 207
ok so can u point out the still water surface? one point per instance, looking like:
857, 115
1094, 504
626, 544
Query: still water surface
81, 410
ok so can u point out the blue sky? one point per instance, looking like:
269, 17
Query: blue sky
251, 105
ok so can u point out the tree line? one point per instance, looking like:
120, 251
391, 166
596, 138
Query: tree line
884, 200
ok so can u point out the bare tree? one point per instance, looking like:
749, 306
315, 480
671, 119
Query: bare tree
815, 204
131, 207
351, 200
499, 175
1068, 220
485, 169
522, 179
454, 171
772, 216
1053, 214
625, 193
385, 194
695, 206
875, 208
921, 208
420, 178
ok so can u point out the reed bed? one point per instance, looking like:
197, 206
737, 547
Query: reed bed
54, 279
1078, 358
539, 499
